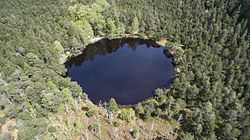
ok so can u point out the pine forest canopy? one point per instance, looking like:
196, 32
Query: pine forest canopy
209, 98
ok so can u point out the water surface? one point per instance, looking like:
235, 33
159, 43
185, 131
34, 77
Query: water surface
128, 70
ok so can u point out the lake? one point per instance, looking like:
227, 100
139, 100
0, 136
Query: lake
128, 70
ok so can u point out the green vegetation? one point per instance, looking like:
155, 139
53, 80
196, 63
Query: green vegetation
135, 133
90, 113
127, 115
209, 98
112, 106
135, 25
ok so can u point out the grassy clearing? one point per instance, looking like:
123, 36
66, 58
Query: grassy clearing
71, 122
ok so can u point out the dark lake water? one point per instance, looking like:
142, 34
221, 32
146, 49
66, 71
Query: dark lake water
129, 70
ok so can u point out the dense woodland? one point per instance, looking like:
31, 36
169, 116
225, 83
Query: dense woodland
209, 98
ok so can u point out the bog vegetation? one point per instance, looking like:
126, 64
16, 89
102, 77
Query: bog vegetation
209, 99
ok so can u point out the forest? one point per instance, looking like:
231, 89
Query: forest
209, 98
